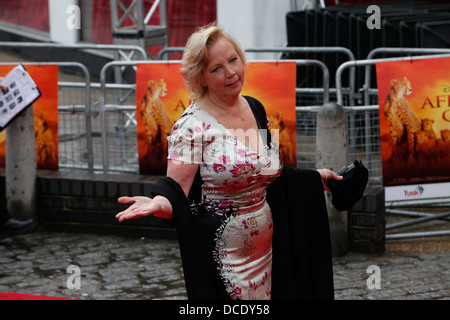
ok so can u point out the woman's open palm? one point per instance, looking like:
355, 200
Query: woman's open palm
144, 206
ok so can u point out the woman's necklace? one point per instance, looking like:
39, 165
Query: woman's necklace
242, 114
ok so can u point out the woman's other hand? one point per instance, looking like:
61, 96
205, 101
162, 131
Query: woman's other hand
145, 206
327, 174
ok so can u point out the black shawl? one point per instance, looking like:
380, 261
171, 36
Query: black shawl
301, 249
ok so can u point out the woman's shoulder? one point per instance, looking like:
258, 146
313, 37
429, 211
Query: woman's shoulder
190, 119
192, 113
258, 110
192, 110
255, 104
251, 100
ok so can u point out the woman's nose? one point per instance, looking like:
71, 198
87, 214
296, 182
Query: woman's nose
229, 71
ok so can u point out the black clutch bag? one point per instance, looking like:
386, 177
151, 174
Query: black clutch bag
347, 192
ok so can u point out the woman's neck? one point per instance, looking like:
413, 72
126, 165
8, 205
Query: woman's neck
224, 102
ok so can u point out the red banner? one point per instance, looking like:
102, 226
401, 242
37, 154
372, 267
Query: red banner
45, 110
161, 84
414, 99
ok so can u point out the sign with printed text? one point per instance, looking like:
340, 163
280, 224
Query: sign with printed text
45, 110
415, 127
161, 98
19, 92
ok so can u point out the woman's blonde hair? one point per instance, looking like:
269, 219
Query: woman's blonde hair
195, 56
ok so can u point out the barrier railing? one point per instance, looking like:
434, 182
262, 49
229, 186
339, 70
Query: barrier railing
368, 91
76, 117
72, 155
373, 160
127, 144
67, 157
295, 50
75, 156
420, 217
88, 46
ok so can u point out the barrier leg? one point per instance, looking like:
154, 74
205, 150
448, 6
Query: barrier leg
331, 152
20, 166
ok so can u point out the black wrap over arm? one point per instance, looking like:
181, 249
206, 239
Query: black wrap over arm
201, 283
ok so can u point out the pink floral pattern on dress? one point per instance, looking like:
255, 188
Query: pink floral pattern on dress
234, 190
242, 168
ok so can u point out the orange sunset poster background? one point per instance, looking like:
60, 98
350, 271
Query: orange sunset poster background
421, 153
45, 110
272, 83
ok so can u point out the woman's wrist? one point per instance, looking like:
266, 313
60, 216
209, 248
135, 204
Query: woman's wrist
323, 175
166, 210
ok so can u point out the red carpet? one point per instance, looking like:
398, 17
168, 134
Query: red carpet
22, 296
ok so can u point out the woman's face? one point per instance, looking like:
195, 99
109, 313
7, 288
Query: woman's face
224, 75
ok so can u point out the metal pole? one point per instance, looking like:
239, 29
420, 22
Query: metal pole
417, 221
417, 235
73, 46
325, 73
377, 51
21, 166
436, 202
331, 152
357, 63
412, 214
103, 107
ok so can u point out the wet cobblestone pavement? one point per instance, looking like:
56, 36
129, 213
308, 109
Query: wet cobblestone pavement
120, 268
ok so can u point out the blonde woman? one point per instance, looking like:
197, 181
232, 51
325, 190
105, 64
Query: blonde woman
223, 160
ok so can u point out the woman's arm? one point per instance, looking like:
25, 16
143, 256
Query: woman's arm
182, 173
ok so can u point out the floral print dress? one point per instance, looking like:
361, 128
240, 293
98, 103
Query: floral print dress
233, 221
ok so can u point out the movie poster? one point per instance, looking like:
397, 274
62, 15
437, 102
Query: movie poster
414, 100
161, 98
45, 110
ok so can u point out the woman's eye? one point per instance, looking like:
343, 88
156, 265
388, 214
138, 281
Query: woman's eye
215, 69
233, 60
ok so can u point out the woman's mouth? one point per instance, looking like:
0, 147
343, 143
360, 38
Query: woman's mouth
232, 84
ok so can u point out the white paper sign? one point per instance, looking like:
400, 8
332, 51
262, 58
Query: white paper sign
21, 91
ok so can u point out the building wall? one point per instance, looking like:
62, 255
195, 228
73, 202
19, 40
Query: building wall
255, 23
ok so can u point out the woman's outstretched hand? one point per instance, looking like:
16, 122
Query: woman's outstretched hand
327, 174
145, 206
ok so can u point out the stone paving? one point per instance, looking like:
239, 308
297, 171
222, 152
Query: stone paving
120, 268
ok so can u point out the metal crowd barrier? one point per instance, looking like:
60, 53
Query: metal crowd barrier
293, 50
368, 91
83, 125
79, 121
88, 46
75, 116
376, 176
371, 158
85, 134
125, 140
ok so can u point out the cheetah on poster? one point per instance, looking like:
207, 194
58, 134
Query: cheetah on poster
161, 98
414, 110
45, 111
